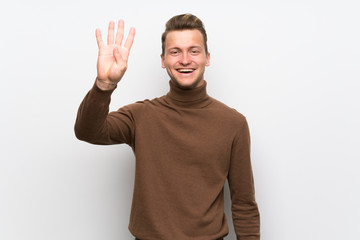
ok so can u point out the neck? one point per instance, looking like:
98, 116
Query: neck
189, 98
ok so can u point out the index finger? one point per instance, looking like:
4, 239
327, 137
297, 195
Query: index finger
130, 39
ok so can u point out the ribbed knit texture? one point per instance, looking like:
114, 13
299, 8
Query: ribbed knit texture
186, 145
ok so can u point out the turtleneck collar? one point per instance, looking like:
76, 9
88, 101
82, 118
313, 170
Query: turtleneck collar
191, 98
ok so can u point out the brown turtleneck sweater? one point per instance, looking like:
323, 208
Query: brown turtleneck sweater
186, 144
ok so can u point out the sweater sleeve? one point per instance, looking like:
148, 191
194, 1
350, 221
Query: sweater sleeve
94, 123
244, 208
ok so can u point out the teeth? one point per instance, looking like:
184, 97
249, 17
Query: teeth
185, 70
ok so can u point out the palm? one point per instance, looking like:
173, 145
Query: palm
112, 59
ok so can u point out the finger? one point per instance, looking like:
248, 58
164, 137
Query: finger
119, 33
99, 40
118, 57
110, 39
130, 39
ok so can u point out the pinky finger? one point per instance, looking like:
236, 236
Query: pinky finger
99, 40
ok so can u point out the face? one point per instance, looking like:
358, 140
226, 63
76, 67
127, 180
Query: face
185, 58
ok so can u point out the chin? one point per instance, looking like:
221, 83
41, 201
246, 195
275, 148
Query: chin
186, 84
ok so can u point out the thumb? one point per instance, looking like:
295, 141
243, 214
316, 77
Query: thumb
117, 56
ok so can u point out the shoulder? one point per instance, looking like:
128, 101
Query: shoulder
139, 107
228, 113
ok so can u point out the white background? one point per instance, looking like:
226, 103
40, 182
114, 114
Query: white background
291, 67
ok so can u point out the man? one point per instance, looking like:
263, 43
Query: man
186, 143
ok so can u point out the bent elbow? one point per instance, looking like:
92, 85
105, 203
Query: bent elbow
80, 133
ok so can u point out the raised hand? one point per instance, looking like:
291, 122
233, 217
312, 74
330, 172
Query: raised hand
112, 59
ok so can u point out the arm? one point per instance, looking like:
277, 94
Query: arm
93, 123
244, 208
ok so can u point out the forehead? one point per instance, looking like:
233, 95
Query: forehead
184, 38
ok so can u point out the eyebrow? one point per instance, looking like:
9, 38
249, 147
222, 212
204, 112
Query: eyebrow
177, 48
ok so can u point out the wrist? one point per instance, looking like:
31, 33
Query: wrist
105, 85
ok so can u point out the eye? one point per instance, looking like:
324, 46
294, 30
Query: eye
174, 52
194, 51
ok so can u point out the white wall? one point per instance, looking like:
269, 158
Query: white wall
292, 67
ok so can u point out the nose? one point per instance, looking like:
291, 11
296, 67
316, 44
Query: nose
185, 59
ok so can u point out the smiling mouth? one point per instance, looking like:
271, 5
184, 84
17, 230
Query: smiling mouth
185, 70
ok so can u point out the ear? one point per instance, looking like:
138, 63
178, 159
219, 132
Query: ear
207, 59
162, 61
